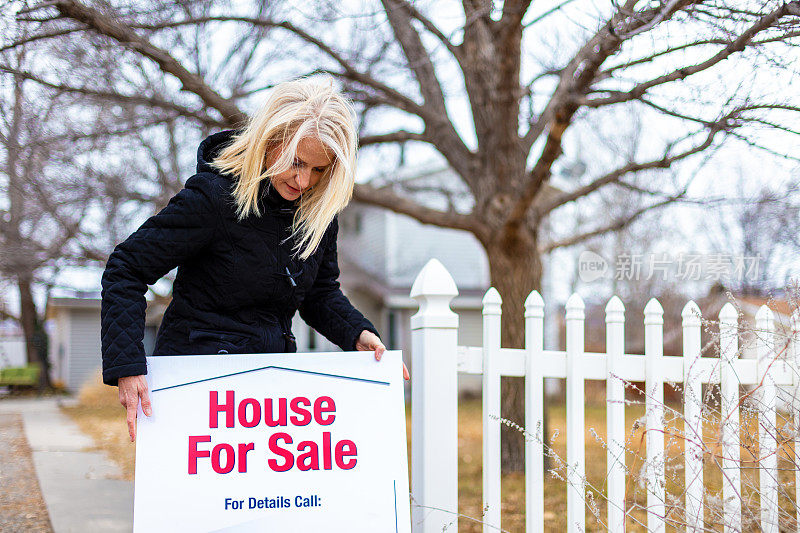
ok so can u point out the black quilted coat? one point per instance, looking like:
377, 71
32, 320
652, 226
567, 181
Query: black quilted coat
237, 287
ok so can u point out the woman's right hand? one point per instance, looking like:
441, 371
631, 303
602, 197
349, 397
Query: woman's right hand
131, 388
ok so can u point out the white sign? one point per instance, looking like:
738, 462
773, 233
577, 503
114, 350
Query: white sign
288, 442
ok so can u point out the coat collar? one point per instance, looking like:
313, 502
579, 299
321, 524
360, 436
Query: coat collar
269, 199
272, 199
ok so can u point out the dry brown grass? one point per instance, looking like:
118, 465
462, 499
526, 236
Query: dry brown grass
100, 415
555, 490
513, 484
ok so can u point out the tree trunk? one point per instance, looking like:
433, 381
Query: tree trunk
516, 270
33, 329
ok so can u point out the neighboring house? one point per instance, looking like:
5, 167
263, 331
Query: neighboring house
782, 310
74, 329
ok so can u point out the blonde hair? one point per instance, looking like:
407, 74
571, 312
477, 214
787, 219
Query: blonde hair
295, 110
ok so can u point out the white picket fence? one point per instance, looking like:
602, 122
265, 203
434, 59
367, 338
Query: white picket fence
437, 359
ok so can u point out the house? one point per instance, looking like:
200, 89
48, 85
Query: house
74, 330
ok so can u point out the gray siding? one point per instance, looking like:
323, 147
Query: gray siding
362, 238
84, 356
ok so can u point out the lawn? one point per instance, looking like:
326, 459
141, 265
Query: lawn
100, 415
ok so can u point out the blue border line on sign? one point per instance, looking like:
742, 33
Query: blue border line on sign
277, 368
394, 482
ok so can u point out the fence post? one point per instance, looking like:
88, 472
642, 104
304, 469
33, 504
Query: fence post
693, 418
654, 409
534, 413
615, 422
767, 426
491, 410
729, 385
576, 421
434, 402
794, 405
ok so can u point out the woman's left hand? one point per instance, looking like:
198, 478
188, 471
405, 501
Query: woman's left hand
369, 341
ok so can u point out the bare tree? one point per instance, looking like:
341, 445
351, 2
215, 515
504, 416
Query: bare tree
522, 76
40, 219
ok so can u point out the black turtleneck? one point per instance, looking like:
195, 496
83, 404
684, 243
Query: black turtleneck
273, 198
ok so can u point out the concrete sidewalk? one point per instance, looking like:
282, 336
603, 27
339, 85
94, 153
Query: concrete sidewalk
78, 486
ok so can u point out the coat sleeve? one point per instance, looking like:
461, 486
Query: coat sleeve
326, 309
170, 237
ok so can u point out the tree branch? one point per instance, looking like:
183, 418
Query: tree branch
397, 136
384, 197
5, 315
39, 37
440, 131
543, 209
438, 127
567, 83
606, 73
737, 45
557, 115
117, 97
431, 27
549, 12
613, 226
675, 114
583, 70
450, 146
514, 11
396, 98
417, 56
123, 34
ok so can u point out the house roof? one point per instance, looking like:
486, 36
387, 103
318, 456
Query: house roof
74, 302
354, 277
153, 313
777, 305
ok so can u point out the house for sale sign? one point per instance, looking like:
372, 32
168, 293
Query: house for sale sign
288, 442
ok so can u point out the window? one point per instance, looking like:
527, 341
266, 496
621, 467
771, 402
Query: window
358, 222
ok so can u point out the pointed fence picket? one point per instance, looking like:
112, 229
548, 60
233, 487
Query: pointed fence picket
491, 410
437, 359
654, 409
534, 411
767, 421
729, 431
795, 377
615, 418
576, 436
693, 417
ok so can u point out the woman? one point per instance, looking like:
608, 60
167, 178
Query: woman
253, 234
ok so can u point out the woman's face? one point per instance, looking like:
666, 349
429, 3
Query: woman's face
310, 163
